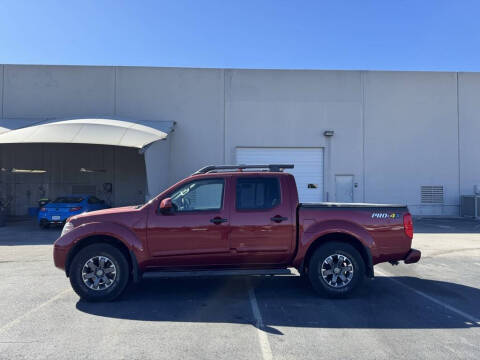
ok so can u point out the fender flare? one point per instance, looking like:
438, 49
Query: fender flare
109, 229
323, 229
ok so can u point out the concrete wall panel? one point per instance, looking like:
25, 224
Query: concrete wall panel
293, 109
58, 91
469, 111
2, 69
191, 97
411, 138
157, 161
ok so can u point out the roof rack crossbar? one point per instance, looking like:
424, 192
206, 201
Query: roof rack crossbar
270, 167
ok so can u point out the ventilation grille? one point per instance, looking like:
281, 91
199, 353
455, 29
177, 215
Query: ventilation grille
84, 189
432, 194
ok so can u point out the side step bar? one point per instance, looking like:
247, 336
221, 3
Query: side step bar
209, 273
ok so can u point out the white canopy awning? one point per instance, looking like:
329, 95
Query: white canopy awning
87, 131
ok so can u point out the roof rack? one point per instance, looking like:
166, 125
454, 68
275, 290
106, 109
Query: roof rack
215, 168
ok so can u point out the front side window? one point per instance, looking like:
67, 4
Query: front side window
257, 193
199, 195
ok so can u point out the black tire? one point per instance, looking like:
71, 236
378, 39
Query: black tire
342, 288
117, 286
44, 224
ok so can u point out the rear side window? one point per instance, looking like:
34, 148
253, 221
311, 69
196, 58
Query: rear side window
257, 193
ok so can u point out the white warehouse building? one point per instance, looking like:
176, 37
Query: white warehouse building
126, 133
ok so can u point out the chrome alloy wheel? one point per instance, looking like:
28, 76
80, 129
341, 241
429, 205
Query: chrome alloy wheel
99, 273
337, 270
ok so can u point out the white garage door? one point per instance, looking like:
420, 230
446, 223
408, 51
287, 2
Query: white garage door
308, 168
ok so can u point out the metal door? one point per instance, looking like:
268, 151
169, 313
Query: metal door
344, 188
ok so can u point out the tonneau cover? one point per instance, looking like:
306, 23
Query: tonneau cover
326, 205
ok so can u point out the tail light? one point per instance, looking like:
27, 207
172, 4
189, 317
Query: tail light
43, 209
408, 225
77, 208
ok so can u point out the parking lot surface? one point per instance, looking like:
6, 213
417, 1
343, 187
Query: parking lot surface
429, 310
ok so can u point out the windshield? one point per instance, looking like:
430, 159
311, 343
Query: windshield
67, 200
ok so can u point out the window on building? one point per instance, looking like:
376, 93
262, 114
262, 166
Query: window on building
257, 193
199, 195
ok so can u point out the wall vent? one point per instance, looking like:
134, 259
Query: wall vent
432, 194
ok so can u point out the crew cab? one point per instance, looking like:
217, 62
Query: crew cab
233, 217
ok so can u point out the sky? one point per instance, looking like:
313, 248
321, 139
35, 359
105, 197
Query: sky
434, 35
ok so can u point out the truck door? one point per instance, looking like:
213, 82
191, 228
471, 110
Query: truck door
195, 233
262, 221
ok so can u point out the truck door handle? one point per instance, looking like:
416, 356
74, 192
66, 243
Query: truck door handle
218, 220
278, 218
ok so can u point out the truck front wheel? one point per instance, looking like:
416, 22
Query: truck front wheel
336, 269
99, 272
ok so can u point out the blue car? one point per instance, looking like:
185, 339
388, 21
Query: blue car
59, 210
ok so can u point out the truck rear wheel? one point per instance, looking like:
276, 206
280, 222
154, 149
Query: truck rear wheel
99, 272
336, 269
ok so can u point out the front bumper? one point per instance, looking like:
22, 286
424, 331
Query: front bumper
413, 256
59, 257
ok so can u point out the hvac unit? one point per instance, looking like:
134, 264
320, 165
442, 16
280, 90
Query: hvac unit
470, 206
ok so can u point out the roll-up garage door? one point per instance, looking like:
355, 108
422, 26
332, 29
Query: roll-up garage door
308, 169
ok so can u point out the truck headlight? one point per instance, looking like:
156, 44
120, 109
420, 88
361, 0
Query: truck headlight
67, 228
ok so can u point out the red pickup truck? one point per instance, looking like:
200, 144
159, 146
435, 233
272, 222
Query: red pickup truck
233, 217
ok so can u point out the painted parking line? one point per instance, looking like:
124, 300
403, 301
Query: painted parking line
35, 309
262, 335
472, 319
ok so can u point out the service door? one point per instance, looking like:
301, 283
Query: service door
344, 188
308, 170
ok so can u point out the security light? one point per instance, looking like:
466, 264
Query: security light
328, 133
90, 171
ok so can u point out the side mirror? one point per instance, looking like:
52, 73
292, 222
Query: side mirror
166, 206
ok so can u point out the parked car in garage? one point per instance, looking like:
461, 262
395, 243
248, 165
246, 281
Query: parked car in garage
60, 209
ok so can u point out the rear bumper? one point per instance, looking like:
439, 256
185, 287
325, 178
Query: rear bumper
413, 256
50, 222
49, 218
59, 216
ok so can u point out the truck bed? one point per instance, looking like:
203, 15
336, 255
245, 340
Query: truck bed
379, 226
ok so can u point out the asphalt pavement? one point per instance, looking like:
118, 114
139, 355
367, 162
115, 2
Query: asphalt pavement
429, 310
